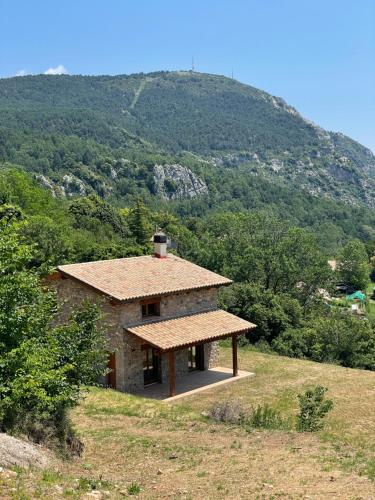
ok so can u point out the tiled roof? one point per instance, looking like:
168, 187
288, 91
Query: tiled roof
190, 330
140, 277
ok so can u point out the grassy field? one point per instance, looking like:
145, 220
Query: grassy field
148, 449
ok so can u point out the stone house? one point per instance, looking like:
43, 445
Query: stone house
160, 314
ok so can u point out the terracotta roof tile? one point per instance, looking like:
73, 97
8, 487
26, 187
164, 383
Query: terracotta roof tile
146, 276
189, 330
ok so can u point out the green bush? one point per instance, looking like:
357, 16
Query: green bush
265, 417
272, 313
313, 409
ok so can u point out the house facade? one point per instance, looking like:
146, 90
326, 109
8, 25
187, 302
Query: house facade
160, 313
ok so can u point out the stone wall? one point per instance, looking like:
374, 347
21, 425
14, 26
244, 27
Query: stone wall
181, 365
132, 356
211, 355
71, 293
127, 348
195, 301
211, 359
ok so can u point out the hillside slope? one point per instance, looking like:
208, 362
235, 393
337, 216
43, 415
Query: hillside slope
154, 450
177, 117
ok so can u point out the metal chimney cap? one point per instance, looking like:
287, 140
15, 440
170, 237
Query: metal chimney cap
160, 238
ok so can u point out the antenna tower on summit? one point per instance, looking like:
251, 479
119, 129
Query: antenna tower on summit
192, 64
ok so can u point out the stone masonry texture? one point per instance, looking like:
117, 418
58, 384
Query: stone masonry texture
118, 316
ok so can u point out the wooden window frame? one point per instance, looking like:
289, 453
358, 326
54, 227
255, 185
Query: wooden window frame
145, 306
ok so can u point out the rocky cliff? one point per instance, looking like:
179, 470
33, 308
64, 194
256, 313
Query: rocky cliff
176, 181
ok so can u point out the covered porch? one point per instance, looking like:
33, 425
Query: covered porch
193, 383
170, 336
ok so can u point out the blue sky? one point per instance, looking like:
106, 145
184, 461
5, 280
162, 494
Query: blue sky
318, 55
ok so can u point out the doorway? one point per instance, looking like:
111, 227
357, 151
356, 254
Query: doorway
196, 357
151, 366
111, 376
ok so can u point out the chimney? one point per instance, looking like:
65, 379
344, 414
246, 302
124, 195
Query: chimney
160, 245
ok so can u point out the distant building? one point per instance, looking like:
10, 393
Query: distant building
161, 315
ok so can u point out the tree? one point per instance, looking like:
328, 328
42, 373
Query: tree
51, 241
10, 213
139, 223
92, 207
272, 313
42, 368
260, 248
353, 264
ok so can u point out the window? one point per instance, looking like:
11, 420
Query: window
150, 309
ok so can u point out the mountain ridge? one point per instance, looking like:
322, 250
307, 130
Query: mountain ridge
177, 114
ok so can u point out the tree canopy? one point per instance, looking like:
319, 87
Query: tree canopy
353, 264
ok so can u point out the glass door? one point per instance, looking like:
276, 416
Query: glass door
150, 366
192, 358
196, 357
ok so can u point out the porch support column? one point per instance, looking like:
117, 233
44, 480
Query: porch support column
234, 355
172, 373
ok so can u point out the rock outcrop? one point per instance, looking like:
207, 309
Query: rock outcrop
16, 452
176, 181
72, 185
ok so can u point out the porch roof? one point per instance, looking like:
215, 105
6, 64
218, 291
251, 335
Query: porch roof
189, 330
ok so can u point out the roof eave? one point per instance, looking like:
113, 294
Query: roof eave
140, 297
93, 288
172, 292
190, 344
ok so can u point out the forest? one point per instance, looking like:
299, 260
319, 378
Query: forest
106, 133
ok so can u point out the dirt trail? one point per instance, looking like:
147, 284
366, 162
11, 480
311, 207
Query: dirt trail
138, 92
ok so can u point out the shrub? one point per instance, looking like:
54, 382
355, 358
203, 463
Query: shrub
134, 489
230, 412
262, 417
265, 417
170, 185
313, 408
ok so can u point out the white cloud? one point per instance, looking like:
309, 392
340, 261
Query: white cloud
59, 70
22, 72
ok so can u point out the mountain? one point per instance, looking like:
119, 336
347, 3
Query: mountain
113, 134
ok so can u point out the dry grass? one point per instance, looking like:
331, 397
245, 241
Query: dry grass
174, 452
